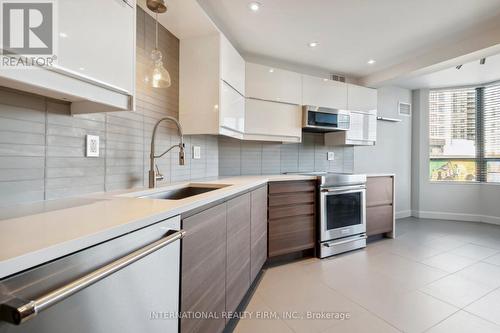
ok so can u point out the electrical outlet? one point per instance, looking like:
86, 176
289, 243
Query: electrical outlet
196, 152
330, 156
92, 146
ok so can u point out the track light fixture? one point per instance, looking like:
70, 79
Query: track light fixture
482, 61
459, 66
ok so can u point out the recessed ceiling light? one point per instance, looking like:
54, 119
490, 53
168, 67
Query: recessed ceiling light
313, 44
82, 68
271, 70
325, 80
371, 62
254, 6
63, 35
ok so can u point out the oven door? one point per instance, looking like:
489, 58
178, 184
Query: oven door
342, 212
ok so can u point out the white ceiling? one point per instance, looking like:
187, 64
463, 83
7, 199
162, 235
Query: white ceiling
350, 32
471, 73
184, 18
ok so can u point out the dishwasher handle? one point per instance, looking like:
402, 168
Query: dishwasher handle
16, 311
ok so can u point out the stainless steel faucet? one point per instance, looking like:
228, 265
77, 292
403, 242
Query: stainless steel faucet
154, 172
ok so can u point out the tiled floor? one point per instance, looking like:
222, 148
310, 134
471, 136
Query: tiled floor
437, 276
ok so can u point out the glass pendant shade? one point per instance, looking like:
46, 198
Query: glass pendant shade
158, 76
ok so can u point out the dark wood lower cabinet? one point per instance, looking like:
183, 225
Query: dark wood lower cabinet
203, 279
292, 217
238, 251
379, 205
223, 251
258, 231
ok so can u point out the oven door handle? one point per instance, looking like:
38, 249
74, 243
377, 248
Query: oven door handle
343, 188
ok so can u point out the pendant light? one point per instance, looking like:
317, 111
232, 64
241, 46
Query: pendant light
158, 76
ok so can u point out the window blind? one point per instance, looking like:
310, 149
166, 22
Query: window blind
491, 133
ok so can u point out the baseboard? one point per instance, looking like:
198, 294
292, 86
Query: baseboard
456, 217
402, 214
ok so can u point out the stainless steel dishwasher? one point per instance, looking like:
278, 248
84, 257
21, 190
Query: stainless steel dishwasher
127, 284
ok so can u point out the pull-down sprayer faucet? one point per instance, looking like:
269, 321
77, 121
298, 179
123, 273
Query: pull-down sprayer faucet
154, 172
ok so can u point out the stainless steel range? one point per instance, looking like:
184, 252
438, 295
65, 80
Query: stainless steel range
342, 213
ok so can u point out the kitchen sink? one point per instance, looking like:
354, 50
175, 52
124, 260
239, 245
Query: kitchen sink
183, 192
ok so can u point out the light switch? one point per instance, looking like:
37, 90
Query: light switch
196, 152
330, 156
92, 146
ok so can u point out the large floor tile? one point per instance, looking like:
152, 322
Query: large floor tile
413, 312
367, 323
298, 300
445, 243
456, 290
260, 319
495, 259
415, 252
482, 272
474, 251
412, 273
463, 322
448, 262
487, 307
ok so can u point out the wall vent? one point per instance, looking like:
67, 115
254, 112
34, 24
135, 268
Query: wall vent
404, 109
336, 77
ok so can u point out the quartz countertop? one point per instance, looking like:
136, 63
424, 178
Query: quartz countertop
33, 234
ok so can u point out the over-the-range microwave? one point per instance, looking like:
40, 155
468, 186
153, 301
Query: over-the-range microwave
319, 119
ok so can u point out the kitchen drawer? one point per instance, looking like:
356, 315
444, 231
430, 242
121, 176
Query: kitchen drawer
379, 191
292, 210
291, 198
295, 186
379, 219
291, 235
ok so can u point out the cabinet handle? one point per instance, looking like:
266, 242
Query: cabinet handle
17, 311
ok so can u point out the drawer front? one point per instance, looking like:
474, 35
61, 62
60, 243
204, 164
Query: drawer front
296, 186
292, 216
291, 210
291, 198
291, 234
379, 219
379, 191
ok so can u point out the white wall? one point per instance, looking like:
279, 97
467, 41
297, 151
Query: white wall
392, 153
467, 202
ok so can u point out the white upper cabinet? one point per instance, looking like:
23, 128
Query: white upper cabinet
324, 93
361, 98
273, 84
212, 83
272, 121
95, 68
362, 103
231, 109
232, 66
98, 40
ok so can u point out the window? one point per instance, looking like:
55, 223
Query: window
452, 135
464, 134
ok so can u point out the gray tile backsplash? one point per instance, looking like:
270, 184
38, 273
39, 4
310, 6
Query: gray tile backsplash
259, 158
